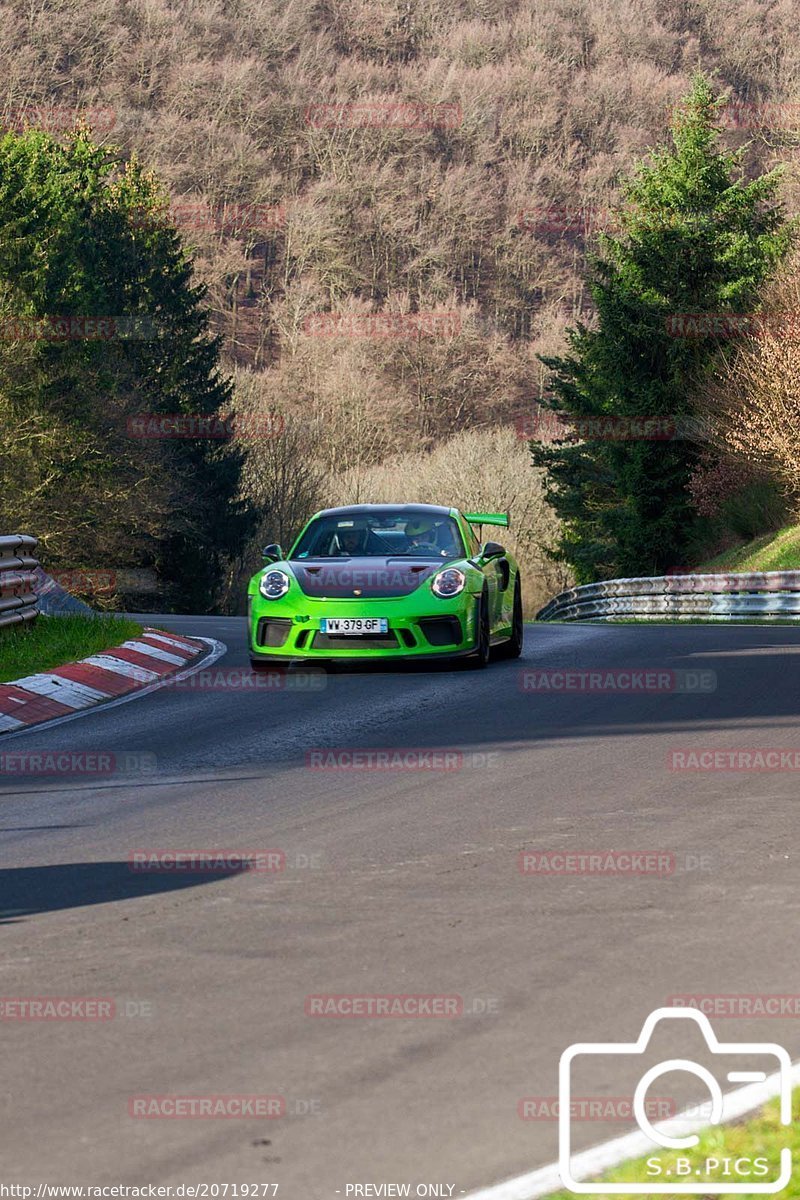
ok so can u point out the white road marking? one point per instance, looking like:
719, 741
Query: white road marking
155, 652
120, 667
588, 1164
9, 723
65, 691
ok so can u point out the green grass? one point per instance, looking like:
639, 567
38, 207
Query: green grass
778, 551
750, 620
51, 641
762, 1135
689, 621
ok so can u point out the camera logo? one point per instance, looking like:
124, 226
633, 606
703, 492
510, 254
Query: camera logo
711, 1176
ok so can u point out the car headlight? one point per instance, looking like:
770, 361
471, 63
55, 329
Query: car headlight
449, 583
273, 584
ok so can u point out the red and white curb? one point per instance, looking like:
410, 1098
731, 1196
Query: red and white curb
133, 668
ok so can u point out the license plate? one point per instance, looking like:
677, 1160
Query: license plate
354, 626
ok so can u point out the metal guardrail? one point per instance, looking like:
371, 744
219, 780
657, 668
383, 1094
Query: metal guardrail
724, 597
18, 566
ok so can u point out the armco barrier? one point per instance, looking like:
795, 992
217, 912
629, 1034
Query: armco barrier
18, 600
725, 597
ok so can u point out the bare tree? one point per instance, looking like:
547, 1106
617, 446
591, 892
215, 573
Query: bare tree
753, 404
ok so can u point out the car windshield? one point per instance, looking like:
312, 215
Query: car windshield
378, 535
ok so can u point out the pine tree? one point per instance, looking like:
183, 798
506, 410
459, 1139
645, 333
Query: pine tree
696, 237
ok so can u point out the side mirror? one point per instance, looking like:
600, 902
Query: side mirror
272, 553
492, 550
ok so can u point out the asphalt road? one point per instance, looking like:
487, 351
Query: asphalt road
396, 882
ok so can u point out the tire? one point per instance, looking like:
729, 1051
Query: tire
483, 650
513, 647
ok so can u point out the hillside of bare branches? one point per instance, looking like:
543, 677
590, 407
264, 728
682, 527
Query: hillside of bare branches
401, 157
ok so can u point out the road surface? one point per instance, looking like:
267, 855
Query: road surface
396, 882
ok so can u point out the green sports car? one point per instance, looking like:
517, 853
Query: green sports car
387, 581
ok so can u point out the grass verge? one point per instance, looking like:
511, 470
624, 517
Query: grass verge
688, 622
50, 641
778, 551
761, 1136
749, 620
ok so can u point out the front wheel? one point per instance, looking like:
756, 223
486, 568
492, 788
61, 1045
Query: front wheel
483, 649
513, 647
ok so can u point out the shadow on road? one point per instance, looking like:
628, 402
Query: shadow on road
25, 891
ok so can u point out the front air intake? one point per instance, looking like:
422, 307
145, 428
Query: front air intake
441, 631
273, 631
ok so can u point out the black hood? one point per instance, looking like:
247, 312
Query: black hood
367, 578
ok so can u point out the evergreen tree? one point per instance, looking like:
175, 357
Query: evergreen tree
695, 237
83, 236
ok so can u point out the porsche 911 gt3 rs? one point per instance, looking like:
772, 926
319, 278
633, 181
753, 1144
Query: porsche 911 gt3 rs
387, 581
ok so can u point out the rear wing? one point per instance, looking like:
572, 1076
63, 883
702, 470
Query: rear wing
503, 519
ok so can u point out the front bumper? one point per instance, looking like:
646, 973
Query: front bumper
418, 628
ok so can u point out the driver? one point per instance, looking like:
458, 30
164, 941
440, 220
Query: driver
421, 534
351, 541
